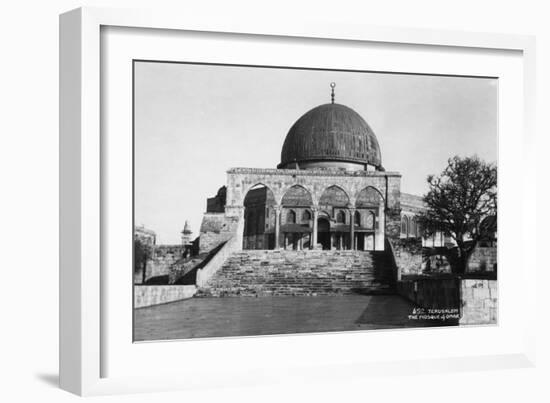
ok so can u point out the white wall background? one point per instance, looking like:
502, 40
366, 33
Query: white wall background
29, 201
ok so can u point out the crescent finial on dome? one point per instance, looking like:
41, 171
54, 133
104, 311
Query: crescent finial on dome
332, 85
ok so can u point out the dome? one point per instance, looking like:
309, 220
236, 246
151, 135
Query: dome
332, 136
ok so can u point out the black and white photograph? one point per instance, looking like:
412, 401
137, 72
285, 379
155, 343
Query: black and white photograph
296, 201
272, 200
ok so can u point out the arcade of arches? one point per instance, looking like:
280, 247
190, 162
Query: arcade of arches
297, 222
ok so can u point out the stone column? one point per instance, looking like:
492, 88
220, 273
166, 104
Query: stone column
315, 227
238, 211
277, 226
380, 231
352, 228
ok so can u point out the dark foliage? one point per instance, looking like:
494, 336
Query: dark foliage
458, 202
142, 253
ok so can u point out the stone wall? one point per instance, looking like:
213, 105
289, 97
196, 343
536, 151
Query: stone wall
412, 259
216, 228
164, 256
412, 203
483, 259
311, 272
216, 204
408, 255
393, 223
148, 295
479, 302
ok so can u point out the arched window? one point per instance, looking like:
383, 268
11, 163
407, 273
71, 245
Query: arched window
306, 216
341, 217
404, 225
370, 220
291, 217
357, 218
412, 229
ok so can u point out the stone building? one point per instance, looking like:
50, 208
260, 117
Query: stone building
328, 219
411, 206
330, 191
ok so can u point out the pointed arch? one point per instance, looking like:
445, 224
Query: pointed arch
270, 195
370, 220
334, 196
369, 196
297, 196
258, 201
291, 217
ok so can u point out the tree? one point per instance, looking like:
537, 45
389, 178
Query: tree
458, 201
142, 253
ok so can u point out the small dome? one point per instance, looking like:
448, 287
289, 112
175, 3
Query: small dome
331, 133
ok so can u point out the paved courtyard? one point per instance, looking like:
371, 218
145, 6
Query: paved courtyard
246, 316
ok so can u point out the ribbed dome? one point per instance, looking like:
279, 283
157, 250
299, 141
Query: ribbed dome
331, 132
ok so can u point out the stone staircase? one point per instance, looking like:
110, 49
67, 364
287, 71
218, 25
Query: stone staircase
311, 272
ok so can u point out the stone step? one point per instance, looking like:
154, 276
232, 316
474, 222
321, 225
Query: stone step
263, 272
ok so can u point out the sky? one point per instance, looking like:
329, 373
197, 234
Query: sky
194, 122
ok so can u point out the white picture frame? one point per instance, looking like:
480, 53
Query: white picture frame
82, 299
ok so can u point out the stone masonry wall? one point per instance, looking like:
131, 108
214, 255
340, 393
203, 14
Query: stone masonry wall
393, 223
148, 295
483, 259
215, 229
479, 302
312, 272
408, 255
164, 256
